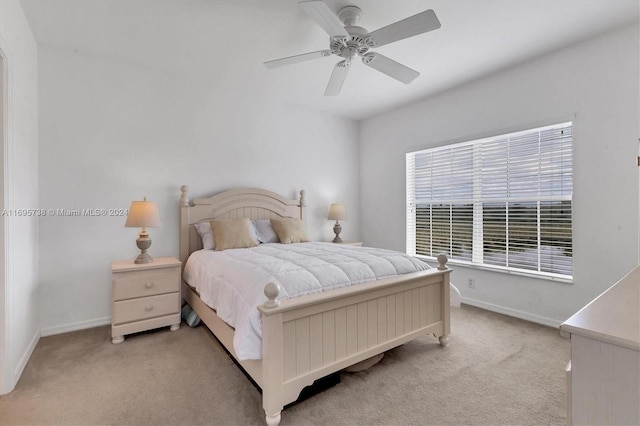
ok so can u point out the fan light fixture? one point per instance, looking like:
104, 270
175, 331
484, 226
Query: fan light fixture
347, 40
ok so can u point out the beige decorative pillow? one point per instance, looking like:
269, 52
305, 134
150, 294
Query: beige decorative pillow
233, 233
290, 230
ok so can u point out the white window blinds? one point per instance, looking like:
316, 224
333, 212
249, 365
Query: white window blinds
502, 202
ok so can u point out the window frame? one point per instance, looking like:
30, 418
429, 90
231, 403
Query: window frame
477, 202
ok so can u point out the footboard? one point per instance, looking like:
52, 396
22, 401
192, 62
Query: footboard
309, 338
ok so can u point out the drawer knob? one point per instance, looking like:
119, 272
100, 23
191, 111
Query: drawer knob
148, 285
148, 308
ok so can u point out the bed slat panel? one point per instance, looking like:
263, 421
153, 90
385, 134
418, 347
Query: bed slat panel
302, 345
430, 311
341, 332
289, 355
399, 314
391, 316
372, 323
415, 308
316, 341
436, 303
407, 310
362, 326
329, 337
352, 329
382, 319
424, 306
320, 339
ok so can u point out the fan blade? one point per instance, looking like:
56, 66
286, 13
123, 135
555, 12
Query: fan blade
297, 58
337, 78
408, 27
390, 67
324, 17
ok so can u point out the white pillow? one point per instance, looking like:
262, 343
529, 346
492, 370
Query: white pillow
254, 231
265, 232
206, 234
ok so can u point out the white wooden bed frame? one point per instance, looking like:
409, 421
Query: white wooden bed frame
310, 337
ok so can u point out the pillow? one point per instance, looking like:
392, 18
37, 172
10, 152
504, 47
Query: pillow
233, 233
265, 232
206, 234
290, 230
254, 231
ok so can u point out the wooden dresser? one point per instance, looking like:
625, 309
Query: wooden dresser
145, 296
603, 376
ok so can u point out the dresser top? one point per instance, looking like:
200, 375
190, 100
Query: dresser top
612, 317
158, 262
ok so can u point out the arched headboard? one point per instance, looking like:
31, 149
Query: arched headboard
252, 203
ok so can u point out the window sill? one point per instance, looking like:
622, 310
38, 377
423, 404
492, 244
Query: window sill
518, 272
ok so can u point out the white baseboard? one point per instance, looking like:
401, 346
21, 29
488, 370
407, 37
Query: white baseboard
66, 328
550, 322
24, 359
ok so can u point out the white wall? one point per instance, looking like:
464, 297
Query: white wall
597, 81
19, 310
111, 133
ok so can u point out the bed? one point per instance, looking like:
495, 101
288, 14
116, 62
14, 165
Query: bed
309, 337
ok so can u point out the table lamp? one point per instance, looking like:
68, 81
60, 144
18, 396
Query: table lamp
143, 214
337, 212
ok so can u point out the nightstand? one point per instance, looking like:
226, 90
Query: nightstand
145, 296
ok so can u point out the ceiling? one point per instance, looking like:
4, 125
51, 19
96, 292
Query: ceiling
225, 42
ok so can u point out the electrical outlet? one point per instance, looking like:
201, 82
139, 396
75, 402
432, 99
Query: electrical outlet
471, 283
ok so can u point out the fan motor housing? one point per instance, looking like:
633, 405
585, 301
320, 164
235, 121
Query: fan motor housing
357, 44
348, 47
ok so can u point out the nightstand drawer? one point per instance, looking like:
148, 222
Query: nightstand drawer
129, 285
145, 307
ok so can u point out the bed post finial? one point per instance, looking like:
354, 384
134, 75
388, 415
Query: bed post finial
273, 420
184, 197
442, 262
272, 291
302, 200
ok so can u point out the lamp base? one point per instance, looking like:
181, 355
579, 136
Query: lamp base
337, 229
143, 242
143, 258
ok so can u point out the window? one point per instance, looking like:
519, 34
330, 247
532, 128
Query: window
502, 202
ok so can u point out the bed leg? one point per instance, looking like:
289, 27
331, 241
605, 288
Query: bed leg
273, 420
443, 340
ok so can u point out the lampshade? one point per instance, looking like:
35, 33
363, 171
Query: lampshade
143, 214
337, 212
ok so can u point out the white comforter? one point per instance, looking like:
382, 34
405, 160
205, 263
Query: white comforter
232, 281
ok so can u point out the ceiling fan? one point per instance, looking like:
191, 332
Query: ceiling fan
347, 40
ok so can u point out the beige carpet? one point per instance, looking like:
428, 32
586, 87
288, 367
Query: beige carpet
495, 370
